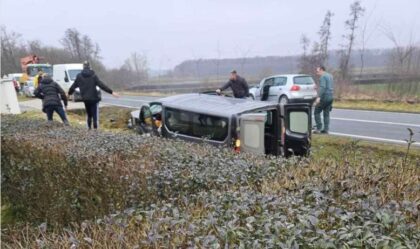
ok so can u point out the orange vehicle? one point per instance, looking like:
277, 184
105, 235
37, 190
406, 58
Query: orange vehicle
30, 67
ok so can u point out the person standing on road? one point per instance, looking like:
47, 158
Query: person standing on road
324, 101
238, 84
52, 95
87, 81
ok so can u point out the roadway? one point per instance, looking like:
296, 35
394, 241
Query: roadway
388, 127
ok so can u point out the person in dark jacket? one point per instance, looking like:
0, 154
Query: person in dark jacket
87, 81
238, 84
52, 96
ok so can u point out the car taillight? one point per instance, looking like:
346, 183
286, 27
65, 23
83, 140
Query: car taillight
295, 88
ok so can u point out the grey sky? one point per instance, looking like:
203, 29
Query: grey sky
169, 32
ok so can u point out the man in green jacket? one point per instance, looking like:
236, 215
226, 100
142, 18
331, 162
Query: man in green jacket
324, 101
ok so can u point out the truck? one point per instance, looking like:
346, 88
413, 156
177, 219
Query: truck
30, 67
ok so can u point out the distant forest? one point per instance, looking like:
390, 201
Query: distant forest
260, 66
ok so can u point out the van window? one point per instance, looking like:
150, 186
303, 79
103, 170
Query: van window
196, 124
298, 122
73, 73
303, 80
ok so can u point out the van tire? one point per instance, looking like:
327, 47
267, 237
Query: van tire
283, 99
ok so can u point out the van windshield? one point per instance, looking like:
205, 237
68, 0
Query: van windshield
196, 124
33, 70
73, 73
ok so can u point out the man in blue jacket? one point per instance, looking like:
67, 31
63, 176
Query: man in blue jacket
324, 101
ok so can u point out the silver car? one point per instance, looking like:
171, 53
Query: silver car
285, 88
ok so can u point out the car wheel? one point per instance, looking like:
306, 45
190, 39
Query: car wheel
283, 100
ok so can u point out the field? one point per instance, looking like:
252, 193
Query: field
65, 187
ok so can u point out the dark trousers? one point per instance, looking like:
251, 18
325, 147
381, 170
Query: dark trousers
49, 110
92, 113
325, 107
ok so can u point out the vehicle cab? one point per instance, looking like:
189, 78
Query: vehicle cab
244, 125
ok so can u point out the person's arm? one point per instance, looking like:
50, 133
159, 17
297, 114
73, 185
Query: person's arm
322, 86
102, 85
226, 86
62, 94
246, 87
38, 93
74, 85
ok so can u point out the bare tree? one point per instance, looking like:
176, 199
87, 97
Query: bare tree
11, 51
403, 55
324, 38
137, 64
304, 62
356, 11
365, 35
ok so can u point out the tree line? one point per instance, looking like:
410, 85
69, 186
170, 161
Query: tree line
75, 48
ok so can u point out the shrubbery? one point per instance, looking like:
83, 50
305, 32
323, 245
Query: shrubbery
126, 191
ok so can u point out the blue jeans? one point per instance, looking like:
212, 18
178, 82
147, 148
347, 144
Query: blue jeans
49, 110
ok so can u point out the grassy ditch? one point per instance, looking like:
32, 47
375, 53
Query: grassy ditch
68, 187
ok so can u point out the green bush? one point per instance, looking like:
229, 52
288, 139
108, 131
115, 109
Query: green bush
69, 187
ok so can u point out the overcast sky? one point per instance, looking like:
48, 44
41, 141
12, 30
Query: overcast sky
169, 32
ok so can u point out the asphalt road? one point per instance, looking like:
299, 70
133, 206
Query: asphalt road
387, 127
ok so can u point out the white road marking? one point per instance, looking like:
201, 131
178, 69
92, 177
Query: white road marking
126, 106
379, 139
376, 122
398, 113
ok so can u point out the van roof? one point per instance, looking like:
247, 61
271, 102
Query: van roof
213, 104
71, 65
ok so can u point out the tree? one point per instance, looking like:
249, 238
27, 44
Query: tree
80, 46
324, 38
11, 51
137, 64
356, 11
304, 61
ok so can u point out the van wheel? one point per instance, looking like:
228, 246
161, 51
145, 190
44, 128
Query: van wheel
283, 100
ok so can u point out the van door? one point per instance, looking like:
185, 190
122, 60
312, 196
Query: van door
297, 133
252, 132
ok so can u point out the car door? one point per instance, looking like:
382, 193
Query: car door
277, 89
252, 132
297, 129
265, 89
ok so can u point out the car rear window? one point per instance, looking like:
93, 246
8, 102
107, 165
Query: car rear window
303, 80
196, 124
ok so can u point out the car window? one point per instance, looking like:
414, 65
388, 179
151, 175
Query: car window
73, 73
269, 82
303, 80
280, 81
196, 124
298, 122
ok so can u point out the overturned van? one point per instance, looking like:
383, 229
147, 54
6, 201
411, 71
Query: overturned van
250, 126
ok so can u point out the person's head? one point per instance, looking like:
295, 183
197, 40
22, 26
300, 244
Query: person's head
40, 72
46, 76
320, 70
233, 75
86, 65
